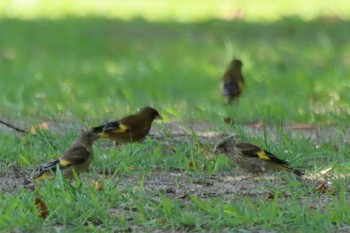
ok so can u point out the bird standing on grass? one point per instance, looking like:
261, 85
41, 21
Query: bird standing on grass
129, 129
78, 157
233, 81
251, 157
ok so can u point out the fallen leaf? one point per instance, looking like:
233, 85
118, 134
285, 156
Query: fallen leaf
325, 187
325, 171
43, 210
98, 186
42, 126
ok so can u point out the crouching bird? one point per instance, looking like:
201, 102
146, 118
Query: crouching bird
77, 157
233, 81
251, 157
130, 128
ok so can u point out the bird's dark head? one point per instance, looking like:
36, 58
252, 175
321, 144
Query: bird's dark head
87, 138
151, 112
224, 145
236, 63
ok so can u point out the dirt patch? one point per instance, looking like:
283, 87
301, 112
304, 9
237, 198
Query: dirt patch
11, 178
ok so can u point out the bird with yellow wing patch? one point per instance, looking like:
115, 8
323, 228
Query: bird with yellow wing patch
251, 157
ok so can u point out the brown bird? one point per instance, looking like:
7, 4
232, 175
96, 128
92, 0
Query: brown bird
251, 157
77, 157
129, 129
233, 81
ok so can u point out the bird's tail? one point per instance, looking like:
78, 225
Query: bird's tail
104, 131
98, 129
45, 170
114, 126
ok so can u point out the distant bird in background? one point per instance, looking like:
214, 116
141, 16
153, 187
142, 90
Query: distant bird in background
233, 81
78, 157
251, 157
130, 128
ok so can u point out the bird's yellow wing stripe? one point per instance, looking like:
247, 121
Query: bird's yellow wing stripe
64, 163
263, 155
45, 175
121, 129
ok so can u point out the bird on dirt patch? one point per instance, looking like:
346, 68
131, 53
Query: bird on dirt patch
130, 128
77, 157
251, 157
233, 81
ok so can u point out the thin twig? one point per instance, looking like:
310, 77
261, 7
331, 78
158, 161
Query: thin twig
14, 127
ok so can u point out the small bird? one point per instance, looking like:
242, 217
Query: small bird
130, 128
78, 157
233, 81
251, 157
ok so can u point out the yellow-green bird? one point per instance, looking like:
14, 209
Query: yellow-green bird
233, 81
251, 157
78, 157
130, 128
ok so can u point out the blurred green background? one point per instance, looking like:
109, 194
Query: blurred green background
93, 61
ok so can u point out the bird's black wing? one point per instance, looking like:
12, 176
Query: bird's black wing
251, 150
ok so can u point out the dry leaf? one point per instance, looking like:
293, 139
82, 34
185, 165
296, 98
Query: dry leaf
98, 186
325, 171
325, 187
42, 126
43, 210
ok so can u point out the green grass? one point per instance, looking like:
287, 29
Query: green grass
86, 63
98, 69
